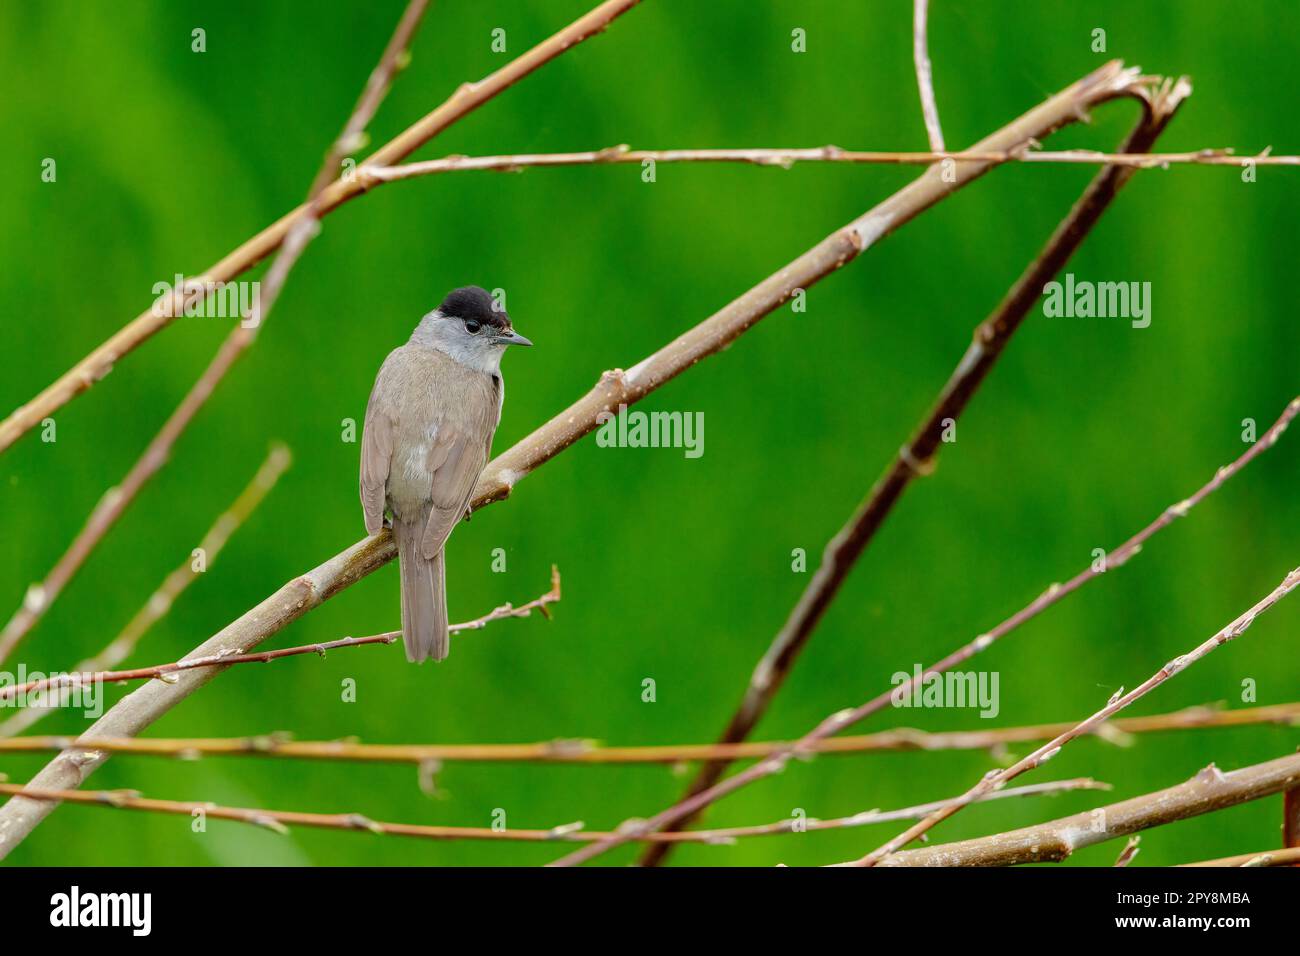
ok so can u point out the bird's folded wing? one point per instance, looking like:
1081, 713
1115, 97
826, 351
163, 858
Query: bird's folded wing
455, 461
376, 453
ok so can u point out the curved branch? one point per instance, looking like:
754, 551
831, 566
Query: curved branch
68, 681
1209, 790
279, 820
924, 79
588, 752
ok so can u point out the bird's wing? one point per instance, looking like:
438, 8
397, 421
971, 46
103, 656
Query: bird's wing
455, 460
376, 453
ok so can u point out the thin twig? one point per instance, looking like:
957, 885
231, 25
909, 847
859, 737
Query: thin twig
787, 158
161, 601
304, 228
1131, 849
163, 671
1289, 857
1291, 818
916, 457
282, 745
921, 57
842, 719
279, 820
1117, 703
298, 597
1209, 790
467, 98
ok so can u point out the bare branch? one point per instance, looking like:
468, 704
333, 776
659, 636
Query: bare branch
467, 98
787, 158
1289, 857
921, 57
1130, 851
265, 657
279, 744
1117, 703
279, 820
1291, 818
1208, 791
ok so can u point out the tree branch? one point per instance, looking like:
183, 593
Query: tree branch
283, 745
1209, 790
69, 681
1289, 857
788, 158
279, 820
924, 80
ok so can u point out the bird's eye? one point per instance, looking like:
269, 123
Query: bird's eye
472, 326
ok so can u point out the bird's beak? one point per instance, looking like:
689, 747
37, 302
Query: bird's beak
513, 338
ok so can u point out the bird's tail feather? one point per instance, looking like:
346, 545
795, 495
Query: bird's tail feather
424, 595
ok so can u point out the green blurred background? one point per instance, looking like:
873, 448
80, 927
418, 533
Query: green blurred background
677, 570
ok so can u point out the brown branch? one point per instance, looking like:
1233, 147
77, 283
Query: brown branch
303, 229
587, 752
787, 158
465, 100
1290, 857
916, 457
381, 77
1208, 791
838, 721
161, 601
144, 706
1130, 851
279, 820
264, 657
924, 80
1117, 703
1291, 819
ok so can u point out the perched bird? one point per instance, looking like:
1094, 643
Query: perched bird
427, 435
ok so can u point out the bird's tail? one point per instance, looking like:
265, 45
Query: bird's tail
424, 595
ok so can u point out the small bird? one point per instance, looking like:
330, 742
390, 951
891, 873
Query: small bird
427, 435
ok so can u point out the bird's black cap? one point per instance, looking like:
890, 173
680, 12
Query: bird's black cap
473, 302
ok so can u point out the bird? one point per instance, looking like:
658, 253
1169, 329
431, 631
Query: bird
433, 410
